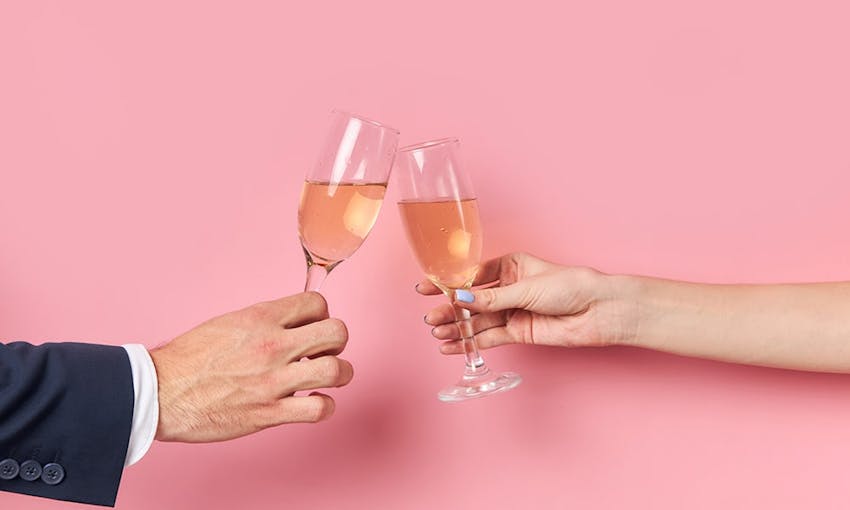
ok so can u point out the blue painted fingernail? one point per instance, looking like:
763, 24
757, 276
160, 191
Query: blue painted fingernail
464, 296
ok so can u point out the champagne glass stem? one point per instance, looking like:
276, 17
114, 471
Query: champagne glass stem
474, 362
316, 275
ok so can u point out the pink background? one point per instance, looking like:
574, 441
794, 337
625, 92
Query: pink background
152, 155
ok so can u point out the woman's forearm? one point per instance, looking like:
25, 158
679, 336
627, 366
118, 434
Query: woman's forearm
797, 326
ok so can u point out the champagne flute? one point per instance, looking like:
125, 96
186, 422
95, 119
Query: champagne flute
343, 193
440, 215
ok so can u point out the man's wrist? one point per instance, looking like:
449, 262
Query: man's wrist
172, 378
145, 405
162, 376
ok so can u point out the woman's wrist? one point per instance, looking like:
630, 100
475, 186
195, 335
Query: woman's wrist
623, 306
656, 311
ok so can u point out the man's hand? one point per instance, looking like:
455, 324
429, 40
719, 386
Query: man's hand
237, 374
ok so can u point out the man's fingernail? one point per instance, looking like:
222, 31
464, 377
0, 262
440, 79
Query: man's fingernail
464, 296
425, 318
416, 287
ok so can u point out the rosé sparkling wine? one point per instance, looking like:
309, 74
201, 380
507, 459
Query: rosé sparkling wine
334, 219
440, 214
445, 236
343, 193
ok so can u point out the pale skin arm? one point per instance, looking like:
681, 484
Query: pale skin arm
795, 326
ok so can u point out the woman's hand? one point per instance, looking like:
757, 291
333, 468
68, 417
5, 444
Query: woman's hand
537, 302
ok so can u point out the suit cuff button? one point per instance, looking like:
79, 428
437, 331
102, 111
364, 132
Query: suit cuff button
9, 469
53, 474
30, 470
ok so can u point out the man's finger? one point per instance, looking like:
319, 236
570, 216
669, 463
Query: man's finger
314, 374
327, 336
298, 310
312, 408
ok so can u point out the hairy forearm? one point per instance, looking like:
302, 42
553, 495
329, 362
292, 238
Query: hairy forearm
797, 326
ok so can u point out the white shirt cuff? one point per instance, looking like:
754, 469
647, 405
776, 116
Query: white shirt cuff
146, 405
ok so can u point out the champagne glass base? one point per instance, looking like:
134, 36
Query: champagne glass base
477, 385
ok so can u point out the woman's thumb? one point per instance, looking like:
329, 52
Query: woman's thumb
494, 299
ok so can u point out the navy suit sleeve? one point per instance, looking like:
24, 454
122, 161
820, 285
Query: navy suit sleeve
66, 410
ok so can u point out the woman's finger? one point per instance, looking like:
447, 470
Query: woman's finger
486, 339
443, 314
479, 323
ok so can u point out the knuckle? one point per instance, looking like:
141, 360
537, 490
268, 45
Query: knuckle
487, 297
289, 341
259, 311
316, 301
518, 256
268, 384
320, 408
329, 368
337, 330
267, 346
444, 314
320, 372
